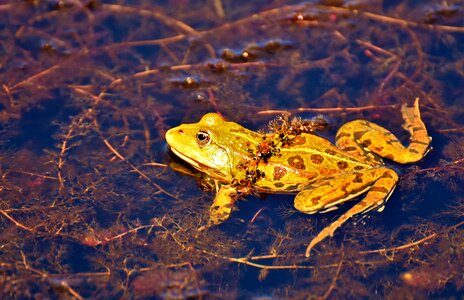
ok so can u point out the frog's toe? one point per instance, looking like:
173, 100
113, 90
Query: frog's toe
321, 236
212, 222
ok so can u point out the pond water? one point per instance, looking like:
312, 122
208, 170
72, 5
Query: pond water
94, 205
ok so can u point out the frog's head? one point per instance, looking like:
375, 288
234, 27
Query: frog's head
204, 145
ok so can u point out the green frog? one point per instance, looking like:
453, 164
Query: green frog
321, 174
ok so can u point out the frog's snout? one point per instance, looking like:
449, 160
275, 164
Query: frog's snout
172, 131
172, 136
168, 136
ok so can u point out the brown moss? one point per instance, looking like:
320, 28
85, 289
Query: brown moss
89, 208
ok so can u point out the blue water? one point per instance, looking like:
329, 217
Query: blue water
93, 204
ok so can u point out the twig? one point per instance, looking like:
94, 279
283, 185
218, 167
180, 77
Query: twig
390, 76
406, 23
146, 133
34, 174
154, 164
73, 292
130, 231
169, 21
219, 8
265, 15
457, 129
402, 247
10, 96
118, 155
333, 284
392, 20
328, 109
46, 276
443, 167
16, 222
256, 215
187, 67
4, 7
64, 145
409, 245
212, 99
391, 55
90, 111
246, 261
176, 240
132, 166
121, 235
49, 70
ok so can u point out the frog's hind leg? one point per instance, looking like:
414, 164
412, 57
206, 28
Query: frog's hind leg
360, 138
420, 140
381, 183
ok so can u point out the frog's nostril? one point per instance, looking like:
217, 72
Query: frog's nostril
181, 131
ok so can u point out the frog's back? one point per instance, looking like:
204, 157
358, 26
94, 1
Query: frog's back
306, 159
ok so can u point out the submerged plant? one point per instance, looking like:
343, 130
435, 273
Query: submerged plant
90, 209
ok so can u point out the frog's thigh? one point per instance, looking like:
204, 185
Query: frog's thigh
381, 189
347, 140
360, 137
324, 195
223, 204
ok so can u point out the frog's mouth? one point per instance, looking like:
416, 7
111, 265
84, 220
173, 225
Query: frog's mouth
212, 171
190, 161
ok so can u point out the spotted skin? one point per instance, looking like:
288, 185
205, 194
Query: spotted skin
322, 174
369, 142
279, 172
223, 205
317, 159
342, 165
296, 162
299, 140
357, 138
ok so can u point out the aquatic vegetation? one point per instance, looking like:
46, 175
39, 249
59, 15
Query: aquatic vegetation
89, 207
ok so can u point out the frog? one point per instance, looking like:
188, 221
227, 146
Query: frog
322, 174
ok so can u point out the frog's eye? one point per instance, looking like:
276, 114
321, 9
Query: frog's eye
203, 138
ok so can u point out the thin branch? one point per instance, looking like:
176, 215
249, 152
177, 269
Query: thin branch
406, 23
328, 109
265, 15
132, 166
15, 222
453, 164
457, 129
46, 276
167, 20
4, 7
409, 245
121, 235
333, 284
34, 174
256, 215
64, 145
402, 247
246, 261
392, 20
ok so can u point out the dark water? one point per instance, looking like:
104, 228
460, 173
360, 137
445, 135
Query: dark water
93, 205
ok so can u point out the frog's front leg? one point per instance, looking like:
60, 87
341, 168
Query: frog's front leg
325, 194
223, 204
360, 138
